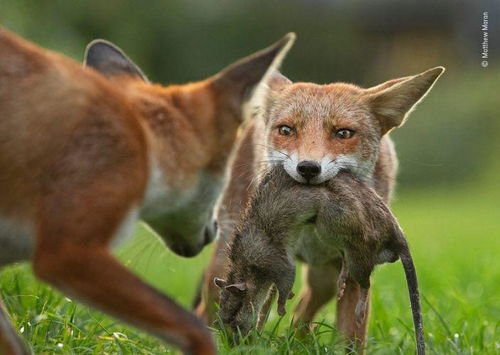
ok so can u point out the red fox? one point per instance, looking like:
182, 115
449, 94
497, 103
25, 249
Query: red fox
85, 152
314, 132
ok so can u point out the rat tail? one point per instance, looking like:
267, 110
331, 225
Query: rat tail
411, 279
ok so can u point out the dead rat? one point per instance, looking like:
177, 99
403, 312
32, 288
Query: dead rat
348, 215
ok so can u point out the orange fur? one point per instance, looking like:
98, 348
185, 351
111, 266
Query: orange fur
85, 152
314, 113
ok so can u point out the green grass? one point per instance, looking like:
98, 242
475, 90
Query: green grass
455, 237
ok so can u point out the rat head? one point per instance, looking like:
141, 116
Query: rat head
191, 130
241, 299
315, 131
254, 268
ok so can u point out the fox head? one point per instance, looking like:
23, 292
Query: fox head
315, 131
191, 130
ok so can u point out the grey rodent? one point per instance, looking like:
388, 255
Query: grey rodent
263, 251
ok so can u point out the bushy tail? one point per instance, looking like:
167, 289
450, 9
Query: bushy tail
411, 279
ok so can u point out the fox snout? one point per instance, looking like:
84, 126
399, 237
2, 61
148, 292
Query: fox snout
308, 169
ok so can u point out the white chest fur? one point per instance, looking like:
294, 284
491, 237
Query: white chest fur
159, 197
16, 241
126, 228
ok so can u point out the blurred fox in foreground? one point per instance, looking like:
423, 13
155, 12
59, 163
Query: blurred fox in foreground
313, 132
85, 152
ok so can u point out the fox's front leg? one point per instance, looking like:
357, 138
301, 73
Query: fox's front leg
347, 323
319, 288
354, 306
208, 298
266, 308
77, 219
10, 342
361, 307
93, 276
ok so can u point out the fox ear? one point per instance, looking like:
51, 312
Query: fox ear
392, 101
110, 60
238, 79
277, 81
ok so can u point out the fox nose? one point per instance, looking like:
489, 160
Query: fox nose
308, 169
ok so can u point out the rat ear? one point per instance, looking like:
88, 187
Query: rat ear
392, 101
220, 282
110, 60
237, 289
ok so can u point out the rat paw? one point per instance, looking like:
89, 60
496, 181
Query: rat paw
341, 283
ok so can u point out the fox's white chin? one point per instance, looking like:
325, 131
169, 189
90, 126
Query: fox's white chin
290, 166
292, 171
329, 168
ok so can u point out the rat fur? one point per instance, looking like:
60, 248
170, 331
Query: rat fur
351, 219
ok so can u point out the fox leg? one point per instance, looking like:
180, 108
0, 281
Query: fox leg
93, 276
206, 308
320, 287
362, 306
354, 307
266, 307
76, 221
347, 322
10, 342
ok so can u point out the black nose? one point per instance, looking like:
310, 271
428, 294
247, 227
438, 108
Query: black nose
184, 250
210, 232
308, 169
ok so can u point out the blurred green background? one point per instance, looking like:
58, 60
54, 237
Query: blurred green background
448, 197
450, 139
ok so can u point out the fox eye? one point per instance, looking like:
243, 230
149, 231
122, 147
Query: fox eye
343, 133
285, 130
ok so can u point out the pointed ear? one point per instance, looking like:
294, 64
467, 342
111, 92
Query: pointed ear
277, 81
220, 282
239, 78
110, 60
237, 289
392, 101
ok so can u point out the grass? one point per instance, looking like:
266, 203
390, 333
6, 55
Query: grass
454, 234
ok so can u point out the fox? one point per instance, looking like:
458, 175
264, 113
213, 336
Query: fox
314, 132
87, 151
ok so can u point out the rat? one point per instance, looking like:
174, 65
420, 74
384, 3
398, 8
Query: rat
350, 217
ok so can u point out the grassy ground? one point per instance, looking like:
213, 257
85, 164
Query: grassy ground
454, 233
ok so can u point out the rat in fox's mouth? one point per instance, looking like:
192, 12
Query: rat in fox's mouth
349, 216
